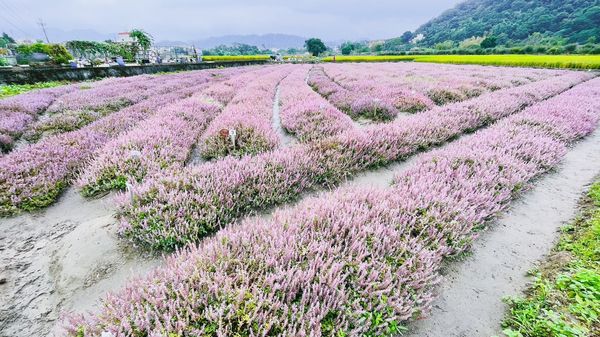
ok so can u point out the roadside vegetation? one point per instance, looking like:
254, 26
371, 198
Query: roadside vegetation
15, 89
564, 299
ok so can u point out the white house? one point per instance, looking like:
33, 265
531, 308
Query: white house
124, 37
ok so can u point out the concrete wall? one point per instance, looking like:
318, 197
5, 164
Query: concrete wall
18, 75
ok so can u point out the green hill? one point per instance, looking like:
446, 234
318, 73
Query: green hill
509, 21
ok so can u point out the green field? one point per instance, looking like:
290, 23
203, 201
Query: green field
236, 58
15, 89
564, 299
541, 61
370, 58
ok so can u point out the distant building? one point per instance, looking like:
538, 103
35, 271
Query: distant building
124, 37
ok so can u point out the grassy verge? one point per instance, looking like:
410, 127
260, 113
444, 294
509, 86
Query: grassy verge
541, 61
15, 89
564, 299
236, 58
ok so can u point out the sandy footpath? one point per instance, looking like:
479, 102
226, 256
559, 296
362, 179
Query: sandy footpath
60, 259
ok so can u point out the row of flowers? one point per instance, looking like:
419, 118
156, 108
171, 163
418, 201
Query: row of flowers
33, 176
163, 141
81, 107
380, 92
185, 206
18, 112
305, 113
72, 106
354, 103
354, 262
434, 85
244, 126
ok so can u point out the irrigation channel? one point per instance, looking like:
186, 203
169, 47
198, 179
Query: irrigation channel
66, 257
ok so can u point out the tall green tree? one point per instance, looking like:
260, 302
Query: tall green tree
347, 48
407, 36
5, 40
315, 46
142, 40
8, 38
489, 42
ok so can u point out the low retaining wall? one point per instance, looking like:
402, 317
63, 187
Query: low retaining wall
17, 75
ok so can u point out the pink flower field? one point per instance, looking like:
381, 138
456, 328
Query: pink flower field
263, 236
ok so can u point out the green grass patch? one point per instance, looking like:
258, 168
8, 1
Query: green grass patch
538, 61
232, 58
15, 89
564, 299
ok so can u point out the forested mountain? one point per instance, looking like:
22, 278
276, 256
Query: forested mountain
573, 21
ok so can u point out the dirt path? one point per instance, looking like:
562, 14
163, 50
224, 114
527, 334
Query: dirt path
61, 259
470, 295
285, 138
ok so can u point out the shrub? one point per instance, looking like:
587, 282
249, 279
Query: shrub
59, 53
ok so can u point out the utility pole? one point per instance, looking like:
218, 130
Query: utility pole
43, 25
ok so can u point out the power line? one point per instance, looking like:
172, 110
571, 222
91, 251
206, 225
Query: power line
15, 13
15, 26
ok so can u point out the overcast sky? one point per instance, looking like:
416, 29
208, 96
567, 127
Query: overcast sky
189, 19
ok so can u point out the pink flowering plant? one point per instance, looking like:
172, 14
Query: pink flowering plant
244, 127
187, 205
34, 176
352, 262
306, 114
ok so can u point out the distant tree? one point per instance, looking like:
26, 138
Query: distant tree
347, 48
143, 39
315, 46
489, 42
59, 54
472, 42
92, 49
570, 48
449, 44
8, 38
235, 49
528, 50
406, 37
28, 49
377, 48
